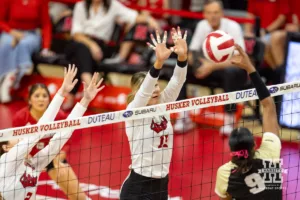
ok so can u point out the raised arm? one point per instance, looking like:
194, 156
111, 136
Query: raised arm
46, 155
19, 151
270, 123
174, 86
146, 89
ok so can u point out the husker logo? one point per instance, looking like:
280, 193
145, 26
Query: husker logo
27, 180
127, 114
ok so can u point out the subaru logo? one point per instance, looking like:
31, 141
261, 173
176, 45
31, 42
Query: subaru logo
273, 90
127, 114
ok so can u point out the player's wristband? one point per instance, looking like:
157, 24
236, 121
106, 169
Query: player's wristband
154, 72
181, 64
261, 88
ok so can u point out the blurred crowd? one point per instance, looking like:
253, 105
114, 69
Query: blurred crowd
89, 27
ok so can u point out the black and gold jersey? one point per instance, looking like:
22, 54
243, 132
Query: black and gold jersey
262, 182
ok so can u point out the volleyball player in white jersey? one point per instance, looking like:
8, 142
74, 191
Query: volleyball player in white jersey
151, 139
19, 173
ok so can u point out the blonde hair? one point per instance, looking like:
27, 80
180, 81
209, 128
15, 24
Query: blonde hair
136, 81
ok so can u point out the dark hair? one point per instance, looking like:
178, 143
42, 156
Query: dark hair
1, 149
242, 139
36, 86
207, 2
88, 3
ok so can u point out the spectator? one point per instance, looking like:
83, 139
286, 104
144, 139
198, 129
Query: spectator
92, 28
158, 22
273, 15
20, 38
278, 38
224, 73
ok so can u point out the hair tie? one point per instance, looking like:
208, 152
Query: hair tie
241, 153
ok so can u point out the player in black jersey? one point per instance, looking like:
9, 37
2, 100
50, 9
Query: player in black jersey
253, 174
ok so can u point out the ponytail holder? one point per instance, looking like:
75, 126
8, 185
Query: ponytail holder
241, 153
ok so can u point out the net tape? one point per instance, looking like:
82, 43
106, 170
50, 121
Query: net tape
146, 112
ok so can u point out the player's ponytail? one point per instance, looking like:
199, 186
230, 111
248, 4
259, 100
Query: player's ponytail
136, 82
1, 149
242, 145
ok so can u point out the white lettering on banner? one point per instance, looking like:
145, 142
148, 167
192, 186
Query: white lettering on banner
101, 118
146, 112
246, 94
92, 189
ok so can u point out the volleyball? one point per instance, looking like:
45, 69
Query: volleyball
218, 46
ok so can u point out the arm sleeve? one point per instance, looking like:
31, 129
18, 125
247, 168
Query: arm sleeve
4, 12
198, 37
79, 15
222, 182
46, 25
270, 147
24, 146
46, 155
18, 152
144, 93
124, 13
174, 86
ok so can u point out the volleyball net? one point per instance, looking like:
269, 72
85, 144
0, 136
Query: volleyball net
100, 155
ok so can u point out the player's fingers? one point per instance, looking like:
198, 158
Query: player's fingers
74, 82
151, 46
185, 35
179, 32
174, 37
153, 39
75, 72
65, 71
101, 88
172, 49
158, 37
100, 82
165, 37
239, 49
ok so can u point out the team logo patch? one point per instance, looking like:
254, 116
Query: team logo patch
127, 114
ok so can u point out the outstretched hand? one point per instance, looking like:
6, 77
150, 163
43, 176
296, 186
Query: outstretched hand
161, 51
91, 90
69, 82
180, 48
242, 60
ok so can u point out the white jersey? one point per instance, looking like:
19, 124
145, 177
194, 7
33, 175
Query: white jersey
18, 176
151, 139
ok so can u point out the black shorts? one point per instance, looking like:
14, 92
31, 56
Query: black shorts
51, 166
138, 187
